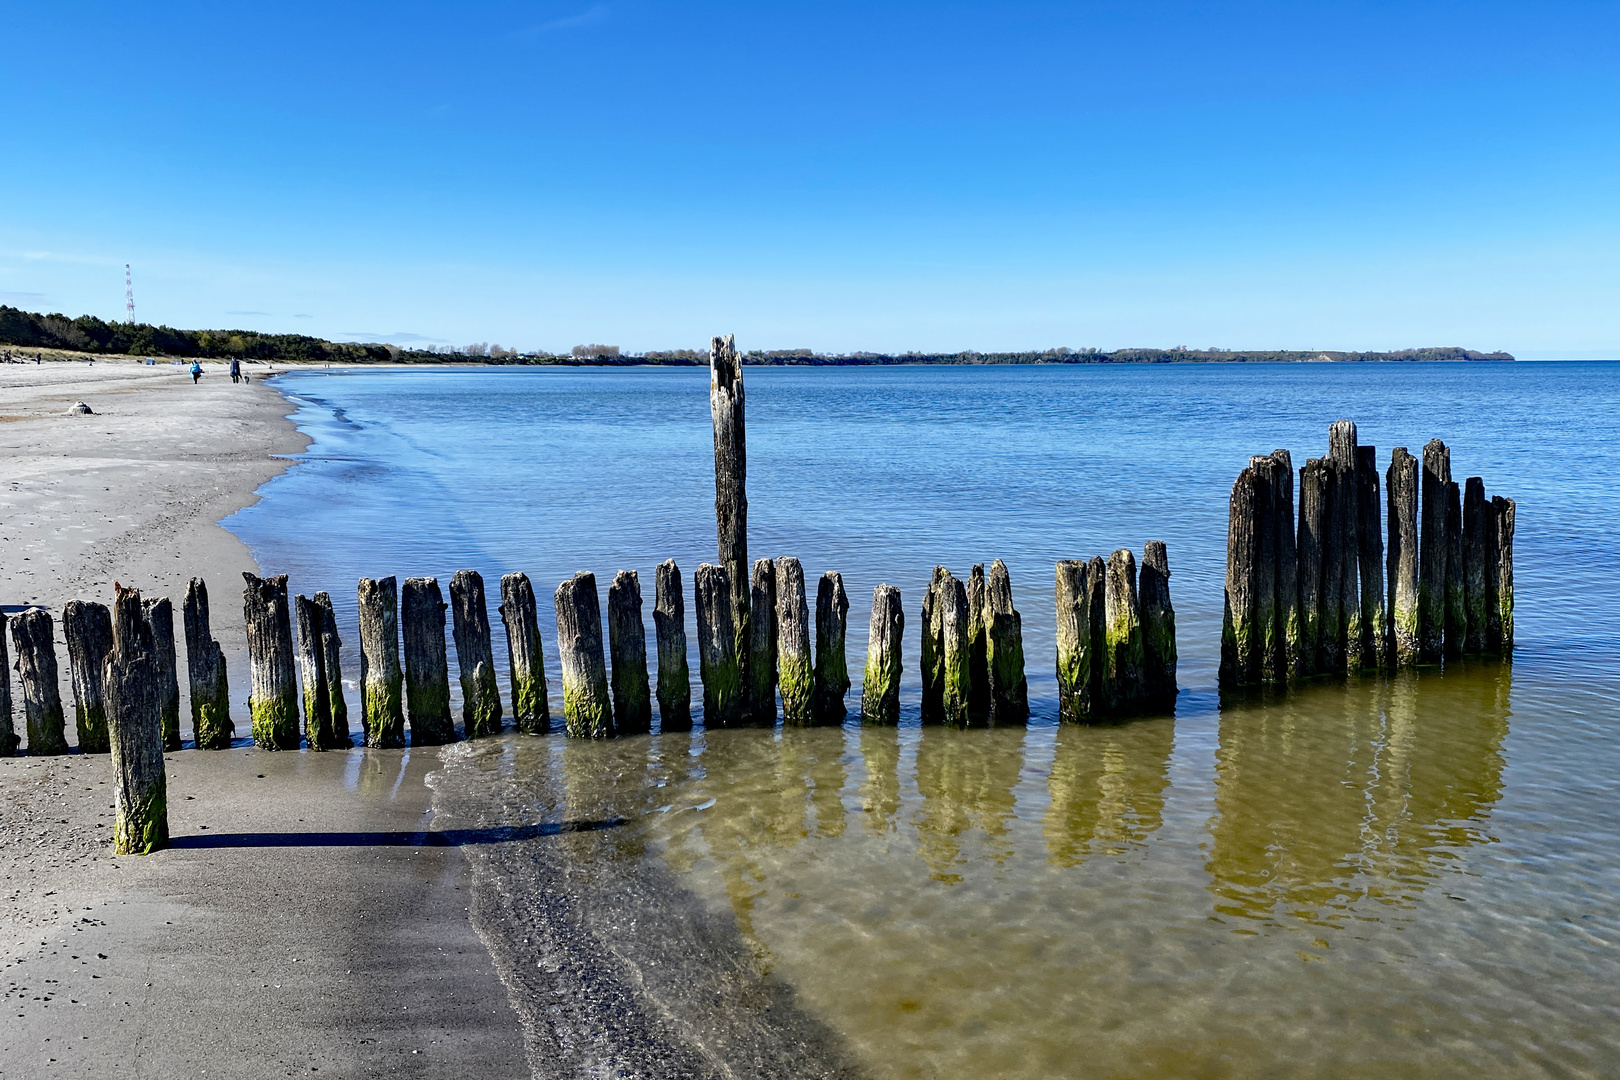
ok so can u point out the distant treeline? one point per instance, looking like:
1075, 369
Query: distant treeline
88, 334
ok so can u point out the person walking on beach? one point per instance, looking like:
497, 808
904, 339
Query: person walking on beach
196, 372
236, 370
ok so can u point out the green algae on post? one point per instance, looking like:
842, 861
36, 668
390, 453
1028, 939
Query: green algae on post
831, 681
1074, 650
273, 687
332, 670
475, 655
933, 679
34, 634
762, 647
211, 727
1123, 652
88, 630
795, 676
312, 665
1401, 560
880, 687
723, 692
674, 673
525, 654
1158, 627
159, 615
382, 710
1004, 637
1506, 514
587, 711
1433, 550
140, 795
427, 667
978, 648
1240, 640
627, 646
955, 659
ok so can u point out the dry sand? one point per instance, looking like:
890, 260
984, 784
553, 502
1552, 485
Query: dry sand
299, 926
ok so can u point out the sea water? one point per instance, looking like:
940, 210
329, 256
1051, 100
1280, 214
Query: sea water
1407, 875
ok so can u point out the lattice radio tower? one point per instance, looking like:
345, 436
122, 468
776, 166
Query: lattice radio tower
129, 297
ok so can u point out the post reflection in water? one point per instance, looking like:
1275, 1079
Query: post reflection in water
1320, 807
1107, 788
880, 794
966, 780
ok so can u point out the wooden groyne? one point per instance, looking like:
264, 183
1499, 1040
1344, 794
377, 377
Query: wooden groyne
1325, 593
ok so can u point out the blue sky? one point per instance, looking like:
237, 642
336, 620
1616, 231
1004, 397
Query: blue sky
833, 176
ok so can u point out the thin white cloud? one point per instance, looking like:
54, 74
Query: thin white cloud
372, 335
22, 297
593, 14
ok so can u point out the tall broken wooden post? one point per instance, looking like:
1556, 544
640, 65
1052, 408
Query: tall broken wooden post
1505, 511
34, 634
211, 727
475, 655
1375, 646
724, 698
88, 629
382, 712
1343, 450
1004, 653
1433, 550
9, 740
627, 647
427, 664
273, 687
674, 673
1405, 623
731, 487
1241, 645
796, 677
332, 670
587, 712
1456, 604
130, 676
880, 688
159, 615
762, 647
1476, 514
832, 665
526, 661
1074, 652
1159, 622
312, 666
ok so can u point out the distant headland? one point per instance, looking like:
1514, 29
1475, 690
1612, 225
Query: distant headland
90, 335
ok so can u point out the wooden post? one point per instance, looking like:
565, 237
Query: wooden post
88, 629
724, 700
627, 647
1159, 621
382, 710
1004, 639
526, 659
8, 729
762, 647
1405, 624
1456, 597
1312, 537
587, 713
1124, 654
475, 655
159, 615
1493, 580
1331, 613
1287, 595
1268, 627
427, 665
272, 686
1343, 450
211, 727
1476, 518
933, 673
832, 667
130, 675
978, 648
1370, 538
955, 662
1432, 552
674, 674
1097, 607
731, 487
1240, 637
793, 642
34, 634
1506, 513
332, 669
880, 689
312, 666
1074, 653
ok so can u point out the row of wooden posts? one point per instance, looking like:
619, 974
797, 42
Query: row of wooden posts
1311, 598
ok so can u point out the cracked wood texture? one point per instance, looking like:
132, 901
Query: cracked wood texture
135, 725
731, 485
674, 672
762, 649
1287, 563
1375, 648
627, 646
1272, 658
1401, 560
795, 675
382, 708
525, 654
211, 727
1004, 653
1476, 518
88, 629
332, 670
272, 685
475, 655
312, 668
1159, 622
34, 635
427, 664
1433, 549
880, 688
587, 710
9, 740
724, 696
1342, 449
1240, 639
832, 665
159, 615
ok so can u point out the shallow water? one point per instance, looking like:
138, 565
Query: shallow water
1395, 877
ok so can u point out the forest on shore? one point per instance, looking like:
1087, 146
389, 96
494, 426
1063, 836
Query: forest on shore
88, 334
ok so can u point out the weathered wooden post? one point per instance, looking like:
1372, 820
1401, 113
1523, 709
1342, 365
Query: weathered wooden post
674, 674
762, 648
724, 700
1125, 654
627, 647
731, 487
1401, 483
34, 634
1344, 452
1004, 637
211, 727
526, 660
1433, 550
1074, 652
1476, 520
9, 740
831, 681
956, 669
1331, 613
932, 670
880, 688
1271, 639
587, 713
159, 615
793, 642
88, 629
140, 796
1240, 637
1097, 606
382, 710
1370, 537
312, 666
978, 648
1493, 581
1159, 621
1312, 538
427, 664
332, 670
1287, 563
475, 655
1506, 512
1456, 602
272, 686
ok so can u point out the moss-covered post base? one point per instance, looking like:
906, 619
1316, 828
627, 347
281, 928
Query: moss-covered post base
427, 670
627, 646
140, 798
475, 656
211, 727
831, 680
531, 704
1004, 639
669, 626
587, 711
795, 674
724, 700
1159, 628
88, 629
382, 705
880, 686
